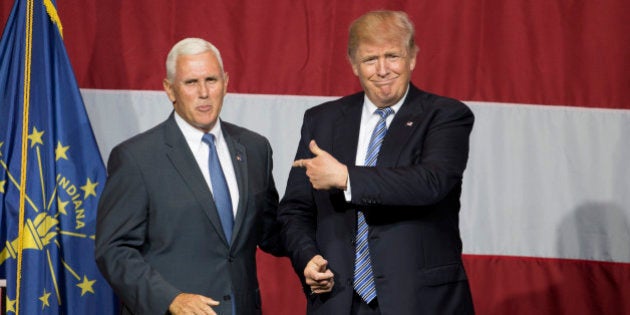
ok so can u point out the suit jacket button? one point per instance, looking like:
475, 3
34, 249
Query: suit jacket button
226, 298
230, 258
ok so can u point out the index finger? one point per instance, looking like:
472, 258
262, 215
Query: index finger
299, 163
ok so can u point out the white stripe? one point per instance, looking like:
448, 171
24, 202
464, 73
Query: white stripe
548, 182
545, 181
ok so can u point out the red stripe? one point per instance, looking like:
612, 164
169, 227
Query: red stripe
500, 285
538, 52
280, 288
526, 285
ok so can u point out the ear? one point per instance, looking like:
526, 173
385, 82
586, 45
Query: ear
168, 88
226, 79
355, 66
412, 61
355, 69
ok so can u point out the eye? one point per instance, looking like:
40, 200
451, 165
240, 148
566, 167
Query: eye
190, 82
369, 60
393, 57
211, 80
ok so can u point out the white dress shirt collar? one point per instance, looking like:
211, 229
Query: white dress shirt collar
193, 135
369, 106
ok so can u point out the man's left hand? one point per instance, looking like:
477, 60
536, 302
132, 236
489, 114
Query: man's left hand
324, 171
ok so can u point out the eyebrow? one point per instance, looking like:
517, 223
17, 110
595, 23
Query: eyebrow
212, 77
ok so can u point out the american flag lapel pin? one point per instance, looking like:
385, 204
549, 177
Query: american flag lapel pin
409, 123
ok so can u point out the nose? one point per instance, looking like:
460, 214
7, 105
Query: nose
382, 69
203, 90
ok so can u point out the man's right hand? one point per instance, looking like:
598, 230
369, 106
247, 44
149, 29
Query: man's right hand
324, 170
318, 276
186, 303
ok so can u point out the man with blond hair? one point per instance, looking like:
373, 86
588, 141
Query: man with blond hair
371, 210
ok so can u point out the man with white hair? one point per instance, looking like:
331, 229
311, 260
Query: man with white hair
187, 202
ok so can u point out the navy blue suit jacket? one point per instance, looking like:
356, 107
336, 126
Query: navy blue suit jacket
410, 199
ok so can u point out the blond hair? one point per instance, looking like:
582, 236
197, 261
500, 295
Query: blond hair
380, 26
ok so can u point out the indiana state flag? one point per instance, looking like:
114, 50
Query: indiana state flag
51, 173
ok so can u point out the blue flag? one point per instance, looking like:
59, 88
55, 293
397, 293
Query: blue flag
51, 173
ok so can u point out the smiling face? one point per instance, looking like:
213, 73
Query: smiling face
197, 89
384, 69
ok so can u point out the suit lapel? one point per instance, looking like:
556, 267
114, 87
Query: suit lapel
345, 142
401, 128
184, 162
346, 134
239, 161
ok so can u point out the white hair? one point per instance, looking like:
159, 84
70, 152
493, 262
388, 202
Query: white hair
189, 46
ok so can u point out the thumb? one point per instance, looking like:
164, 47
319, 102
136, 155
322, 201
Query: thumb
314, 148
320, 262
210, 301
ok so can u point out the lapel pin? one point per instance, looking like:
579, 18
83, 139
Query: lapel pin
409, 123
238, 157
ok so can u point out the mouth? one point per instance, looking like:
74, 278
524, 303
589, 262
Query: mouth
384, 82
204, 108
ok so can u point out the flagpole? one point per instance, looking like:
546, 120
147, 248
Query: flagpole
24, 153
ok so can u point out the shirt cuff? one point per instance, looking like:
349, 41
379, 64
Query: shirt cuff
348, 192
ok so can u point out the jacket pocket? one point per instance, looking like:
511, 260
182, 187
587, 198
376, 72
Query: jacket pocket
444, 274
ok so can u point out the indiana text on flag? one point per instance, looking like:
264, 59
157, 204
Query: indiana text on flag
51, 173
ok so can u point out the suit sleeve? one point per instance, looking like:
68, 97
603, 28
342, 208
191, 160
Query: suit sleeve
120, 238
298, 212
436, 163
271, 241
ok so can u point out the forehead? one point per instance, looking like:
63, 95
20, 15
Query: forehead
370, 48
205, 63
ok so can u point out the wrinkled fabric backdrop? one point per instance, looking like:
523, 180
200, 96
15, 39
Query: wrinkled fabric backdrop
546, 197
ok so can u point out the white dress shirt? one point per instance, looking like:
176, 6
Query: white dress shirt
369, 119
201, 151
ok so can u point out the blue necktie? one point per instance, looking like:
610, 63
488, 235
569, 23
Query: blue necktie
220, 190
363, 274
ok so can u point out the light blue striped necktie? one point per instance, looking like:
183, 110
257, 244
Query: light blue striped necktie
363, 274
220, 190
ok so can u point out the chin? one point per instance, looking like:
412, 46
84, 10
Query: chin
387, 101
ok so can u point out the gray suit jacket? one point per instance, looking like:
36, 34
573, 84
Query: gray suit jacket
158, 231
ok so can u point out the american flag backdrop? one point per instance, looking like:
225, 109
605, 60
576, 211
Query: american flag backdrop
545, 217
